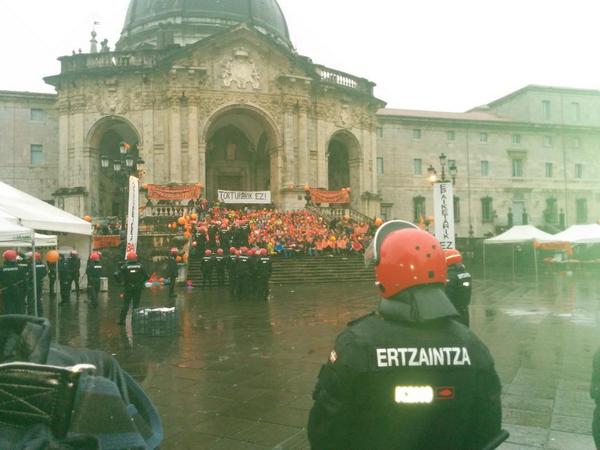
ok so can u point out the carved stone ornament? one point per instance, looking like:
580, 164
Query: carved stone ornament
241, 71
113, 101
345, 117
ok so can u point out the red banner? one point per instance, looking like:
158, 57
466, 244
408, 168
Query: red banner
180, 192
106, 241
331, 197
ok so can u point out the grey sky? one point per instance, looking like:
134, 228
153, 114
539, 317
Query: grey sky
423, 54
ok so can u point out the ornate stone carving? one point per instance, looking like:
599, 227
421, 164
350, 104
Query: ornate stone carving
113, 101
240, 70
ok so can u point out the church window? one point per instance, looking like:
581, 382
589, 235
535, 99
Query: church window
37, 155
380, 168
485, 168
417, 166
516, 139
517, 167
418, 208
37, 115
487, 213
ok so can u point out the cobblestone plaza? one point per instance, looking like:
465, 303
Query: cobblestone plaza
240, 375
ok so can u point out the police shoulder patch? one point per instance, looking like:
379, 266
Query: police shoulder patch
360, 319
333, 357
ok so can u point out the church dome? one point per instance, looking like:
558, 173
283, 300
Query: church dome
160, 23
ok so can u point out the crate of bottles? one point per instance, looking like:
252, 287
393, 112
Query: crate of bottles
155, 322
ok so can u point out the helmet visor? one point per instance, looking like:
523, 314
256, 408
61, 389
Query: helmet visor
372, 254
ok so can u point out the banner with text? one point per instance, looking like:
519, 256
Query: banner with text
133, 215
245, 197
332, 197
443, 206
174, 192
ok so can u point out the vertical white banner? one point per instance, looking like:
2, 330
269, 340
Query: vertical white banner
133, 215
443, 206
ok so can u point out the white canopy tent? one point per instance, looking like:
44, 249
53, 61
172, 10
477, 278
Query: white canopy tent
519, 234
577, 234
39, 240
11, 233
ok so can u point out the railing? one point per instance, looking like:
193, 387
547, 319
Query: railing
165, 212
339, 213
104, 60
338, 78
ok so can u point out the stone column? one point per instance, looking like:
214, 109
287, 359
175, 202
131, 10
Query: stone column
63, 151
175, 141
147, 150
193, 142
303, 156
288, 147
322, 162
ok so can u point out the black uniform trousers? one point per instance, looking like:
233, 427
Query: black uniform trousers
93, 290
130, 295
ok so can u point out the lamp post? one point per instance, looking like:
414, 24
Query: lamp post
120, 169
443, 201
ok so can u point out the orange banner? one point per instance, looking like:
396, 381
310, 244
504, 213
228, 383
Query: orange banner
331, 197
179, 192
106, 241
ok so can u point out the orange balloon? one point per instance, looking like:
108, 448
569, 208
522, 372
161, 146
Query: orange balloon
185, 258
178, 259
187, 235
194, 216
181, 221
87, 218
52, 256
379, 221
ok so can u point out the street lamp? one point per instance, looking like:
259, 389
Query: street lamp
126, 165
443, 200
452, 171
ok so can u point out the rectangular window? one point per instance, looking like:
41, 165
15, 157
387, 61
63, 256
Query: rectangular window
485, 168
386, 212
551, 211
487, 213
419, 209
417, 134
379, 166
456, 209
450, 136
579, 171
516, 139
546, 109
547, 141
581, 210
37, 115
37, 155
451, 162
483, 138
576, 111
418, 166
517, 167
549, 169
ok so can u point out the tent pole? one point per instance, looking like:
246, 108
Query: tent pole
33, 264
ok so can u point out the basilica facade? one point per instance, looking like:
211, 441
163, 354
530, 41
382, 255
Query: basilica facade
214, 93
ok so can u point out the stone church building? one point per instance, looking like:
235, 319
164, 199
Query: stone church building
213, 92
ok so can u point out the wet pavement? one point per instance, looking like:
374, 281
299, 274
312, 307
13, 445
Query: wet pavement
241, 373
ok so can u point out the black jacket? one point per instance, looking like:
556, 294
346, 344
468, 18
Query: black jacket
133, 275
94, 270
458, 288
407, 377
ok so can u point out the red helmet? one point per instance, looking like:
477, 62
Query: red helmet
208, 253
238, 253
9, 256
405, 257
174, 251
252, 252
243, 251
132, 256
95, 256
263, 252
74, 253
38, 257
232, 250
219, 251
453, 257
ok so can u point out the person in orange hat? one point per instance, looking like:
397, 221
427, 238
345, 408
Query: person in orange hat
408, 376
458, 287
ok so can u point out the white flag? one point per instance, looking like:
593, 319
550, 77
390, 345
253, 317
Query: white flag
133, 215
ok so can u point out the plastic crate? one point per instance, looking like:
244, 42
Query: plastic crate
155, 322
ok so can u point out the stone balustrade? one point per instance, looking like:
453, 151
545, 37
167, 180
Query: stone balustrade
343, 79
109, 60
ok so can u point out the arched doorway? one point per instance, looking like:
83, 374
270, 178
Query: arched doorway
344, 163
240, 143
108, 188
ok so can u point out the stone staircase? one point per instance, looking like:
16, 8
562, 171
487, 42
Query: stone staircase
305, 269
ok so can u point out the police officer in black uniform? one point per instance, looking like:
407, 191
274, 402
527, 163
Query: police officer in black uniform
74, 264
172, 271
231, 272
52, 279
12, 283
94, 272
458, 287
408, 376
242, 274
133, 276
220, 265
264, 268
64, 280
40, 273
208, 263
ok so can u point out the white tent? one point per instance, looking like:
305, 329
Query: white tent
39, 215
40, 240
13, 233
519, 234
577, 234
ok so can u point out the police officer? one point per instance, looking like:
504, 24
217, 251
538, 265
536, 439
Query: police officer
172, 271
207, 266
74, 264
407, 376
264, 268
12, 283
242, 274
52, 278
40, 273
458, 287
133, 276
252, 266
94, 271
64, 280
220, 263
231, 273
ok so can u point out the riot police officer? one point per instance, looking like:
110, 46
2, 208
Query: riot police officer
242, 274
133, 276
40, 273
172, 271
231, 273
52, 279
207, 266
220, 263
407, 376
74, 264
264, 268
252, 276
94, 271
12, 283
64, 280
458, 287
